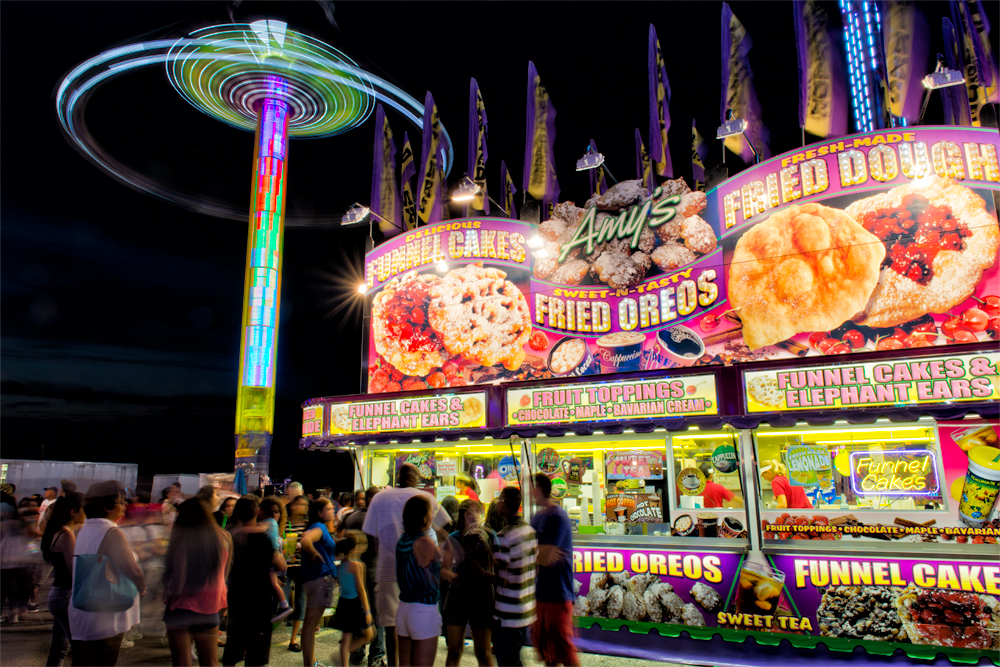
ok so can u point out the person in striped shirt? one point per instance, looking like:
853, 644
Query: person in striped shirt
515, 595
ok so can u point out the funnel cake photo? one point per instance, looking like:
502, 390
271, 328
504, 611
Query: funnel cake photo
939, 238
806, 268
949, 618
481, 316
402, 334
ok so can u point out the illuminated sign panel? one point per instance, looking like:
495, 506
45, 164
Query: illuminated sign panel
613, 401
312, 420
641, 282
928, 380
904, 472
411, 414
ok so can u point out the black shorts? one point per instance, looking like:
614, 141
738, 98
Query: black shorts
349, 617
463, 607
192, 621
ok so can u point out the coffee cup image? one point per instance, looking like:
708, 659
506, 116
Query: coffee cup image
681, 345
620, 352
691, 481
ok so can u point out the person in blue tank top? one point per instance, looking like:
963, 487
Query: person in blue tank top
318, 572
418, 573
354, 613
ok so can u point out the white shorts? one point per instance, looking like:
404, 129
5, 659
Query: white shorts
386, 603
418, 621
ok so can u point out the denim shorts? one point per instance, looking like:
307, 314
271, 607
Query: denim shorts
319, 592
192, 621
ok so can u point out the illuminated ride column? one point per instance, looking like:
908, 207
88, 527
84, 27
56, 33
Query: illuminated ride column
262, 286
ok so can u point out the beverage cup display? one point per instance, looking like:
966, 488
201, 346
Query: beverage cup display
571, 357
708, 524
620, 514
620, 352
730, 527
681, 345
982, 484
760, 589
684, 526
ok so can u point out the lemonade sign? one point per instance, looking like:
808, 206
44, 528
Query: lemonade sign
807, 464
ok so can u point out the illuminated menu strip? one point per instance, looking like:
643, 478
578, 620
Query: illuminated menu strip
262, 303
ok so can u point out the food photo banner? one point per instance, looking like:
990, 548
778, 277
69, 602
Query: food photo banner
944, 379
878, 241
617, 401
411, 414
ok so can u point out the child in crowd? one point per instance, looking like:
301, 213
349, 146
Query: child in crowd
272, 515
354, 613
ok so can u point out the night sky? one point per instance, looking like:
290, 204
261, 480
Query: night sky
120, 329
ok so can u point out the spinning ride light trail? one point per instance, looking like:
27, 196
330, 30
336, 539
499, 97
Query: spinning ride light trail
279, 83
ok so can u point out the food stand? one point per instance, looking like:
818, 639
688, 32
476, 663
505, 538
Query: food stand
786, 431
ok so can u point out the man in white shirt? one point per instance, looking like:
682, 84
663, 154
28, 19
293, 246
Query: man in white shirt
384, 520
51, 493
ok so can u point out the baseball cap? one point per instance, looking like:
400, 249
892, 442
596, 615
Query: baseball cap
51, 488
103, 489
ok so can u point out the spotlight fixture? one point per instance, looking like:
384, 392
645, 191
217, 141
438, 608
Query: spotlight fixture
362, 288
731, 127
466, 190
592, 160
941, 77
359, 213
442, 266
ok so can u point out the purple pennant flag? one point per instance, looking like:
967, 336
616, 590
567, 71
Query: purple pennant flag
659, 107
509, 190
802, 48
539, 177
384, 195
478, 153
822, 93
905, 43
956, 104
438, 208
406, 196
737, 88
972, 14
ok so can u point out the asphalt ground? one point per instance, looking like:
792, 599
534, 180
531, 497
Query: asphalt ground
26, 643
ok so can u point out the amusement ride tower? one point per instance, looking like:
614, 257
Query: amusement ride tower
279, 83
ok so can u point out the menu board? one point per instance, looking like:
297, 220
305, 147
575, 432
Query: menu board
633, 508
613, 401
635, 464
927, 380
412, 414
796, 256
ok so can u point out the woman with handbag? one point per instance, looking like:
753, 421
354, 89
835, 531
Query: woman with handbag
198, 562
58, 544
107, 580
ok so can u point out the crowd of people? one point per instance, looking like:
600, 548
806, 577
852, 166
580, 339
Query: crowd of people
399, 569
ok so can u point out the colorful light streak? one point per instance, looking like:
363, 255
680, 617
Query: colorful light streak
318, 70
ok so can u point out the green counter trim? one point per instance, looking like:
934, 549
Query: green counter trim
915, 651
